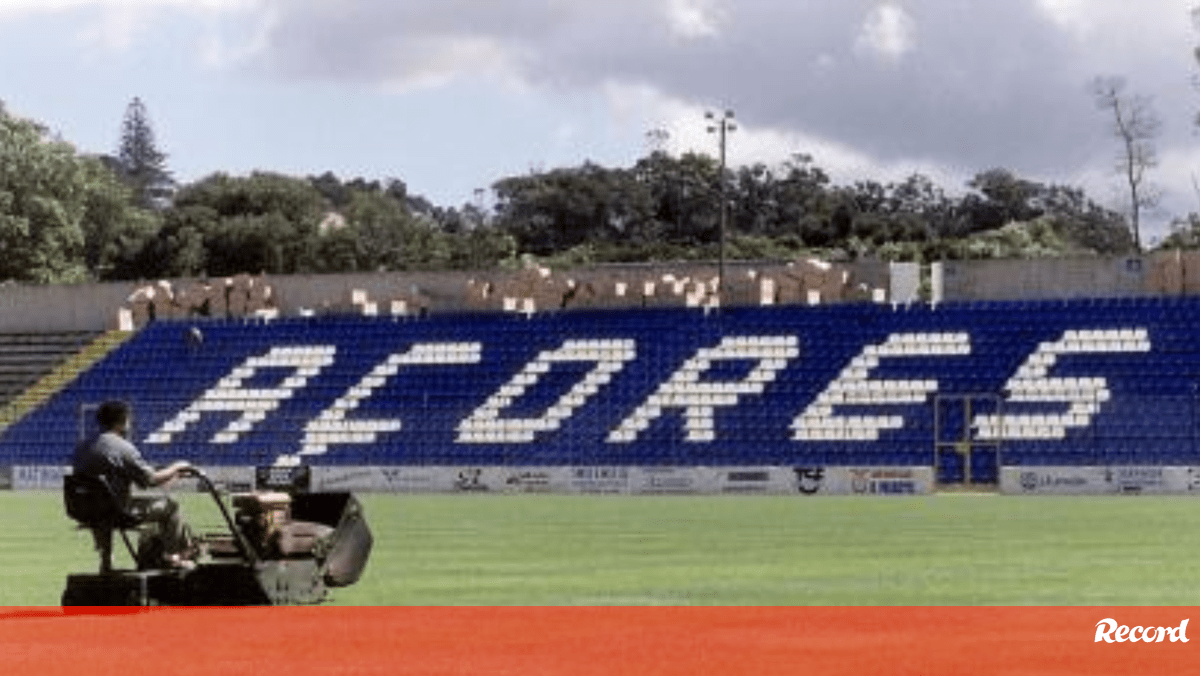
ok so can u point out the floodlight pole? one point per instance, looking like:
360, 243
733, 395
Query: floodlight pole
722, 126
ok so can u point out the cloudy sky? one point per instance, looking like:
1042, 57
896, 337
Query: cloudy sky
450, 95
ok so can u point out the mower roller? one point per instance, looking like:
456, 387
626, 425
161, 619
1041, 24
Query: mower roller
282, 548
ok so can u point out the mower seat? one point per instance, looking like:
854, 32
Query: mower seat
93, 504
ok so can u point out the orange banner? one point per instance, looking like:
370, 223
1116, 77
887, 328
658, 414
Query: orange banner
756, 641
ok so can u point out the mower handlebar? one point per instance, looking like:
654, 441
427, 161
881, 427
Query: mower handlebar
211, 489
196, 473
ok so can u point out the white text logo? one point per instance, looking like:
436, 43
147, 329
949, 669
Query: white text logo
1109, 631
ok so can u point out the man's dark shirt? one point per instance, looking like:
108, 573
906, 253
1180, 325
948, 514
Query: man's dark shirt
111, 455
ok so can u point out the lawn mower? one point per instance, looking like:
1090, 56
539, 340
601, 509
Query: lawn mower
283, 547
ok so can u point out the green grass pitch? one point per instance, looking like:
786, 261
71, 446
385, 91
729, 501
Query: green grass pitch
726, 550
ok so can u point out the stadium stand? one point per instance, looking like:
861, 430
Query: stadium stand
965, 387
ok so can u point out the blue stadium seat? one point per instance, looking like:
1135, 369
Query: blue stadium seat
1149, 415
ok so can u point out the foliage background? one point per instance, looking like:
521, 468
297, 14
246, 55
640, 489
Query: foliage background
68, 217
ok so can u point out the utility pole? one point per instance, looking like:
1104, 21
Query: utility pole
721, 125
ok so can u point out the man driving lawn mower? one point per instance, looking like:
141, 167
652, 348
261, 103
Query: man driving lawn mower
281, 548
109, 456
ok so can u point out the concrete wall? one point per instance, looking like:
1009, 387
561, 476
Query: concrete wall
1124, 276
94, 307
42, 309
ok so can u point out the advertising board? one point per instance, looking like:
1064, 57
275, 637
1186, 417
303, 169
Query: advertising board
1117, 480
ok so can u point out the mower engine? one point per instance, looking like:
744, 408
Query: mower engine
262, 517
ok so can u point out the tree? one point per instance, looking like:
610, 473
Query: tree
116, 232
554, 211
1135, 125
681, 201
54, 206
224, 225
142, 165
1185, 234
388, 237
179, 248
482, 248
801, 198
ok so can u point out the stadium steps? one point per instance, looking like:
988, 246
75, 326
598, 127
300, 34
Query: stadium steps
58, 362
26, 357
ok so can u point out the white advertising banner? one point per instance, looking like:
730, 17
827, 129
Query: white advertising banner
673, 481
507, 479
599, 480
756, 481
50, 478
380, 479
441, 479
867, 481
1123, 480
653, 480
1149, 480
622, 480
38, 477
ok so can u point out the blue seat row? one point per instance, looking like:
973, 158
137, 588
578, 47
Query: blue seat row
1148, 402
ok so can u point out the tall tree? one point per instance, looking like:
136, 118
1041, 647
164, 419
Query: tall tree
1135, 126
142, 165
264, 222
45, 188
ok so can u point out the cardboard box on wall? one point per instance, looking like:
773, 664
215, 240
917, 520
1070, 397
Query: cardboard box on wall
479, 295
235, 302
412, 303
122, 320
1190, 271
768, 290
1166, 273
141, 312
582, 293
669, 291
259, 294
193, 300
833, 287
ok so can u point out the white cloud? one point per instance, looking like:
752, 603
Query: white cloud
437, 61
116, 25
888, 33
224, 47
13, 7
693, 18
1115, 33
824, 63
750, 144
1067, 14
115, 30
1082, 16
1178, 173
